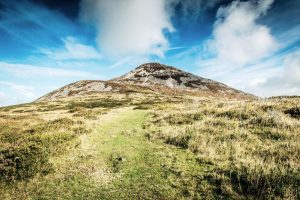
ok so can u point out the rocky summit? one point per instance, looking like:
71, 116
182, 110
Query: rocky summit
154, 78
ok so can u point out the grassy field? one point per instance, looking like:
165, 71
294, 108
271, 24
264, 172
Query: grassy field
146, 146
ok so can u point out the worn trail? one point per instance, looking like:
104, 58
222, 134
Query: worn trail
115, 161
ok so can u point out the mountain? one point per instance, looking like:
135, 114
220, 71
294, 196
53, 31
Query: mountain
154, 78
156, 74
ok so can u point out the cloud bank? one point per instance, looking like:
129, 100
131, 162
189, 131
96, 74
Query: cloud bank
238, 39
292, 68
129, 27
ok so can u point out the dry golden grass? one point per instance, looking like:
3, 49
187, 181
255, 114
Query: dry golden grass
190, 148
253, 146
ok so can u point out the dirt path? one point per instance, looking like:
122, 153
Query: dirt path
116, 161
92, 163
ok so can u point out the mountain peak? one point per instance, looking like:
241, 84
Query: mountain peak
154, 66
150, 71
156, 74
160, 74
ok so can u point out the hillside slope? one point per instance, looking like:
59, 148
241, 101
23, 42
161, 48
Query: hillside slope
89, 87
151, 77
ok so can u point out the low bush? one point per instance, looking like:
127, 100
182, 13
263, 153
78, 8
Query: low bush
293, 112
180, 140
22, 161
182, 118
103, 103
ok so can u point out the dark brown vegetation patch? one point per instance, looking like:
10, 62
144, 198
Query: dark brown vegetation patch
293, 112
104, 103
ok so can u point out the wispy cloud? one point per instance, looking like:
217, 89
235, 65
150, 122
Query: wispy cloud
190, 10
21, 83
27, 91
13, 93
131, 61
73, 50
3, 99
24, 70
26, 27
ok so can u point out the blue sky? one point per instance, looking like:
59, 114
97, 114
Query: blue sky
250, 45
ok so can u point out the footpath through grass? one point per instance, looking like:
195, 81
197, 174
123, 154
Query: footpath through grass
117, 161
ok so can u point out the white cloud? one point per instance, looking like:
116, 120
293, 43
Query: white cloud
4, 100
287, 80
292, 68
13, 93
238, 39
27, 91
34, 71
2, 95
129, 27
73, 50
278, 75
15, 89
242, 53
